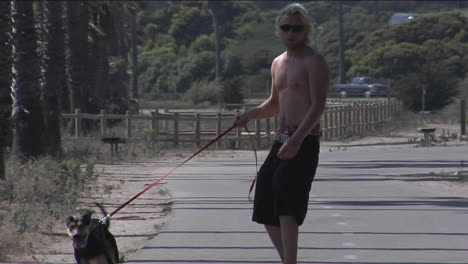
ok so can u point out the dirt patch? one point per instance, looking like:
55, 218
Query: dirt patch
133, 226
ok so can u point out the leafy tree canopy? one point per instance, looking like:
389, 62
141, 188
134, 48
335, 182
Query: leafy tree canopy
430, 51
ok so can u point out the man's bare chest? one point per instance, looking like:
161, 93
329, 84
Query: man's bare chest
291, 76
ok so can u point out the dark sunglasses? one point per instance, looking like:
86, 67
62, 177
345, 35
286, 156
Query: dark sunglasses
293, 28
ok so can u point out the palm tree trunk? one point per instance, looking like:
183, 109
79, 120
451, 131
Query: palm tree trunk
341, 65
133, 59
54, 79
28, 139
213, 8
5, 82
77, 54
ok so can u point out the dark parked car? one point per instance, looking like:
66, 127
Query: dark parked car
362, 86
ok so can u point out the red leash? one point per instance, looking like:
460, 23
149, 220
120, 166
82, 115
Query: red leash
171, 171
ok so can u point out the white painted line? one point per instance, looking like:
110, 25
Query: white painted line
348, 244
342, 223
336, 215
350, 257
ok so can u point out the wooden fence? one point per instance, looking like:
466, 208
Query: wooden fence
342, 118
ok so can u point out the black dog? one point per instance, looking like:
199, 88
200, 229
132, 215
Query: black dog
92, 241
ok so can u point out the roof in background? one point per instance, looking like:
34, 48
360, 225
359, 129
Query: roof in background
400, 18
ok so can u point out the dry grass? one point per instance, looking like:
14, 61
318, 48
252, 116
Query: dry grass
35, 194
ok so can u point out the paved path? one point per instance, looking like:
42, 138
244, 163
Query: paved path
361, 211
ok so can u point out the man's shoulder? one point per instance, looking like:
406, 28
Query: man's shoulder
313, 54
278, 59
314, 58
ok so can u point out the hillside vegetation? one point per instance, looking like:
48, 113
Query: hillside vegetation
177, 56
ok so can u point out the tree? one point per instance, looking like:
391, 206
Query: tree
28, 139
54, 79
429, 51
341, 40
77, 54
214, 8
5, 81
133, 65
98, 65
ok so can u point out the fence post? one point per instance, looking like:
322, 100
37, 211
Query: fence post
257, 131
335, 122
376, 116
176, 129
463, 117
342, 120
348, 127
325, 123
276, 122
361, 118
197, 129
268, 127
366, 118
128, 123
155, 124
238, 133
354, 119
218, 128
103, 123
77, 123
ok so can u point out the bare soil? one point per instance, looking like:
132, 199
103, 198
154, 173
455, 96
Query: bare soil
144, 217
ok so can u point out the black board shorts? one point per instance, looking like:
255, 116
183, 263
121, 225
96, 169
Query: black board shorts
283, 186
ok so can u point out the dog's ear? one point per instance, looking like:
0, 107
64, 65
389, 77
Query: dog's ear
69, 220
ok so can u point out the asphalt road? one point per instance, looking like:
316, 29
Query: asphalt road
364, 208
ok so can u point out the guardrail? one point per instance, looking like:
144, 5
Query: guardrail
341, 118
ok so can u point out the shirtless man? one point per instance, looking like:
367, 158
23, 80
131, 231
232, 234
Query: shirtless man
300, 81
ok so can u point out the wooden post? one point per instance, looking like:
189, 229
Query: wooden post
268, 127
360, 121
128, 123
257, 132
463, 117
155, 124
176, 129
342, 120
238, 133
103, 123
348, 126
366, 118
197, 129
325, 124
335, 122
376, 116
218, 129
77, 123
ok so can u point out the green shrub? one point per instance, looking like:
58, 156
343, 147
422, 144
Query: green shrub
203, 91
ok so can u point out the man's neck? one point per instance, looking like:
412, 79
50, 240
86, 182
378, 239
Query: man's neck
296, 51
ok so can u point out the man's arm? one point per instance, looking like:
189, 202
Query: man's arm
319, 81
267, 109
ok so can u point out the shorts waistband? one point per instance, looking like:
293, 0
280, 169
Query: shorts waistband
289, 131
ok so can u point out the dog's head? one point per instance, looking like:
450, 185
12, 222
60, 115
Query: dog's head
78, 229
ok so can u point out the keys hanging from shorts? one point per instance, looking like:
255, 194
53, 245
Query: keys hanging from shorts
281, 138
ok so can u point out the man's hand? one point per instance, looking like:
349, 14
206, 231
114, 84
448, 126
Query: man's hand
240, 120
289, 149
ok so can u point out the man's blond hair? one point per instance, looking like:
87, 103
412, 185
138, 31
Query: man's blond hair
298, 10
